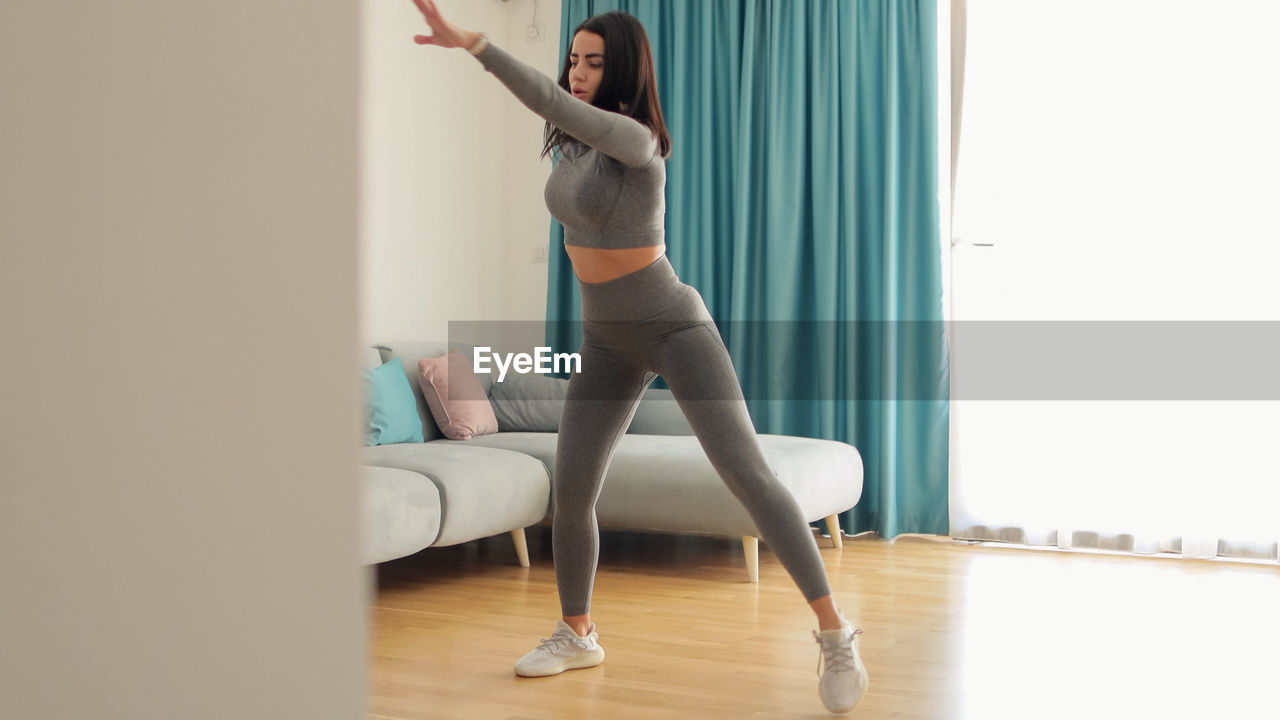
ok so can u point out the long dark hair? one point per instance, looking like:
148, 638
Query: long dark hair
628, 78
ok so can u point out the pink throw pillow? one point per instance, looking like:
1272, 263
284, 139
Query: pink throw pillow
454, 394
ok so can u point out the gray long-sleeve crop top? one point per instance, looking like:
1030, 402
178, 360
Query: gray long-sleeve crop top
608, 188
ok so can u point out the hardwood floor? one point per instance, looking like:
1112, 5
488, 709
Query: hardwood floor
952, 631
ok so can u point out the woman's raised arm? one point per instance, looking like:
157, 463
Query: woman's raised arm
613, 134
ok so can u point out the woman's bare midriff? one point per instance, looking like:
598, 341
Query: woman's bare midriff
597, 265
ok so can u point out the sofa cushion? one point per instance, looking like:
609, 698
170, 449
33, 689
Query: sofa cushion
389, 406
457, 401
666, 483
401, 513
659, 414
483, 490
538, 445
528, 403
410, 352
533, 403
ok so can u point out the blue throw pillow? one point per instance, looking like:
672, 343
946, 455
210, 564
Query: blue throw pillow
393, 412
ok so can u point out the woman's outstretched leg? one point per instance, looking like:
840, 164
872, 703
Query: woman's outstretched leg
697, 367
599, 405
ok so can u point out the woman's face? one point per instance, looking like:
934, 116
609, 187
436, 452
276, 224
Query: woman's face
586, 65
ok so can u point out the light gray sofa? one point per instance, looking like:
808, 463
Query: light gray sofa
443, 492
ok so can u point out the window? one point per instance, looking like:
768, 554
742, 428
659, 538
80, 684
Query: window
1121, 158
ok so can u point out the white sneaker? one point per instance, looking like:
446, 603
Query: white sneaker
566, 650
844, 680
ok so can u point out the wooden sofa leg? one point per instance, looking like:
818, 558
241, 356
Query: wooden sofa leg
522, 547
833, 528
751, 549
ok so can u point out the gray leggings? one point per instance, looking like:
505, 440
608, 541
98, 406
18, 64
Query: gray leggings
635, 327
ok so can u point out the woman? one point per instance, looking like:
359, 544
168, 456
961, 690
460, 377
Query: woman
639, 321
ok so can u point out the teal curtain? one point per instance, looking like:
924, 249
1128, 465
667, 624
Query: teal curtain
802, 202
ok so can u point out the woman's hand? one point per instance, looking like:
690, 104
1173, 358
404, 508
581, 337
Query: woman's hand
443, 33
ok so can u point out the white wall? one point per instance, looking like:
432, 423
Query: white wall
451, 183
178, 396
528, 221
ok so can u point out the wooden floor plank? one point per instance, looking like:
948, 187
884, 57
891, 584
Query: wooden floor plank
952, 631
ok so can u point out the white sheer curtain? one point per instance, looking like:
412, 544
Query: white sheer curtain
1120, 161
